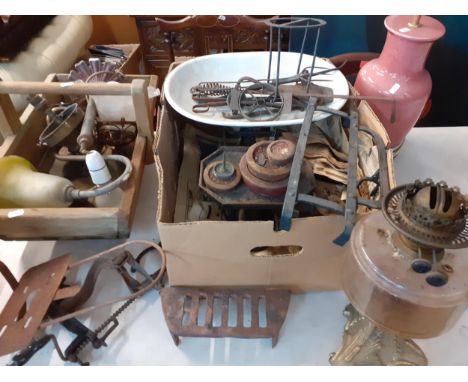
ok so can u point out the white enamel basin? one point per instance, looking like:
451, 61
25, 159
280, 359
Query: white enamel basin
232, 66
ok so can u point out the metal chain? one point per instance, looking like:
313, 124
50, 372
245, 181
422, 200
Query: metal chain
96, 341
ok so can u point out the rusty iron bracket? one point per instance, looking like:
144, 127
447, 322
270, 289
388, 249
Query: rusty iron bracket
225, 312
293, 183
352, 199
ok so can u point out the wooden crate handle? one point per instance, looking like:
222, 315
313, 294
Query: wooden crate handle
137, 90
68, 88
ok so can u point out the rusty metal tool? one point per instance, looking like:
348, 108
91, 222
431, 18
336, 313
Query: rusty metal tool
351, 187
293, 183
352, 200
48, 301
97, 338
84, 335
254, 100
222, 88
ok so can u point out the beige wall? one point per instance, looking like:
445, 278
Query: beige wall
114, 30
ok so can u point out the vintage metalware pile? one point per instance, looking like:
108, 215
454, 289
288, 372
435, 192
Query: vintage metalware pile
252, 171
270, 172
403, 277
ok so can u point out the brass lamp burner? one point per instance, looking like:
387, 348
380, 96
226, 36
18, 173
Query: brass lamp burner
432, 215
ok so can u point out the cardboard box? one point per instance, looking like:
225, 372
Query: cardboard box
134, 57
227, 253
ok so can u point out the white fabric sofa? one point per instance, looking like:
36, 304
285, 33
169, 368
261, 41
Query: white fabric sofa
54, 50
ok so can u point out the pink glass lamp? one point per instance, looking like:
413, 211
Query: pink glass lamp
399, 72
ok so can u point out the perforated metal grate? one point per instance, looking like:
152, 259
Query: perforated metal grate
220, 312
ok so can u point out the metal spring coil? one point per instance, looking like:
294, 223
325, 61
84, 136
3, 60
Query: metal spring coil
211, 89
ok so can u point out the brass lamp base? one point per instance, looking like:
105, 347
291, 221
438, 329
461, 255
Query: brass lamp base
365, 344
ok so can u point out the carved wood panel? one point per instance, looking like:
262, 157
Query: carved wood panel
162, 39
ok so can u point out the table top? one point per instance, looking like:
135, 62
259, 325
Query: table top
314, 325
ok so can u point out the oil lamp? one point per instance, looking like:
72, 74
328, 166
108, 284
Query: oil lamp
406, 275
